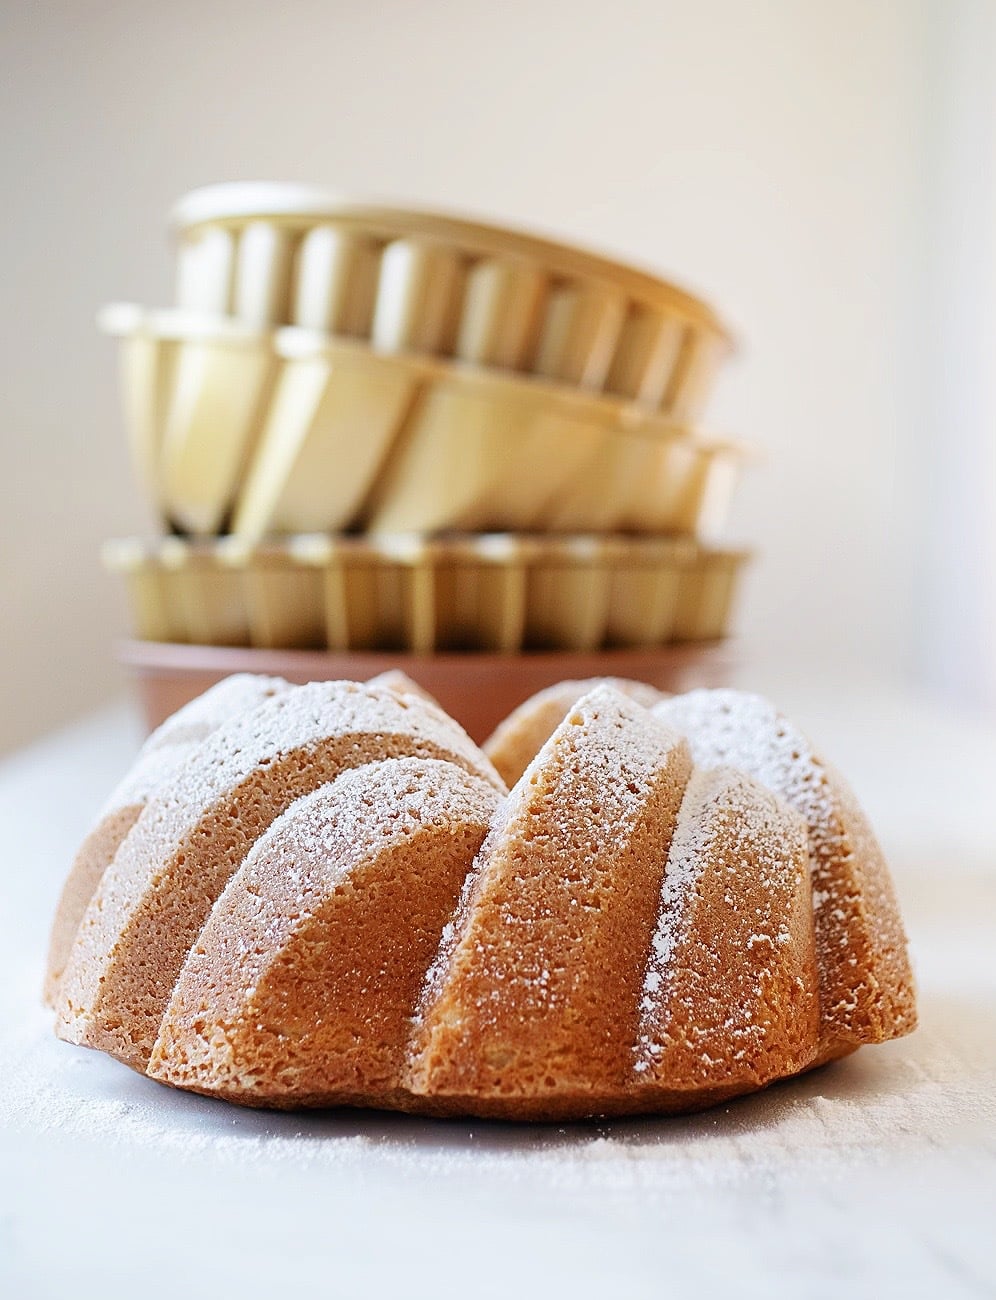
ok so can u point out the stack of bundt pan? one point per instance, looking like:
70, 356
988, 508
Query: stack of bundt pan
374, 429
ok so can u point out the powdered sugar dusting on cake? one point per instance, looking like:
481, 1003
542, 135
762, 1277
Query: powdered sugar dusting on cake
315, 844
189, 839
554, 865
455, 929
361, 810
516, 741
393, 679
747, 732
737, 729
304, 715
168, 748
302, 981
619, 771
728, 926
857, 918
232, 695
151, 771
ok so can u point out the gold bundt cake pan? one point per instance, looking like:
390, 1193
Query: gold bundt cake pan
499, 593
416, 281
234, 428
325, 899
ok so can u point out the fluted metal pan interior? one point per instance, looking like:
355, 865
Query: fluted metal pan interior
411, 280
258, 432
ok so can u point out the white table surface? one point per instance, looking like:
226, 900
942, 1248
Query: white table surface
875, 1176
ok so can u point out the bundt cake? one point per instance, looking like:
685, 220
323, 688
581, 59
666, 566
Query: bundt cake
327, 896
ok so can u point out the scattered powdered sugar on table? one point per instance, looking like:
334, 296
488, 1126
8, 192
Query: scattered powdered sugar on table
910, 1095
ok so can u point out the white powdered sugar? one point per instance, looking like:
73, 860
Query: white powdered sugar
361, 811
151, 771
454, 929
226, 699
745, 731
564, 695
756, 831
736, 729
314, 847
292, 726
168, 747
607, 752
736, 863
303, 716
858, 932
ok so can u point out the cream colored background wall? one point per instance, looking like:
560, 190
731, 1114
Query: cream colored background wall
771, 155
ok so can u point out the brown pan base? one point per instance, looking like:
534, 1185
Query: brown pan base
479, 690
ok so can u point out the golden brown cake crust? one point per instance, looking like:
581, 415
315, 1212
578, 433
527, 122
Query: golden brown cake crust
301, 986
182, 850
730, 993
163, 753
866, 984
86, 873
533, 1003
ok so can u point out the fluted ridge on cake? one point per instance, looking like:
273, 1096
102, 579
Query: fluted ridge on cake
866, 984
189, 840
730, 993
301, 987
162, 755
531, 1006
517, 740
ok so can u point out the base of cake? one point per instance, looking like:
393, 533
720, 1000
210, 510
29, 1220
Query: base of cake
479, 690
